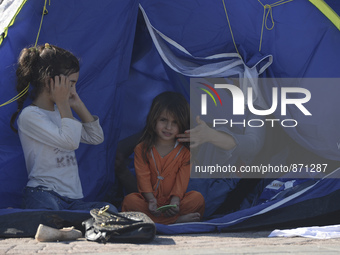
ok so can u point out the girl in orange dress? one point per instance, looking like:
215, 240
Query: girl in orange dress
162, 165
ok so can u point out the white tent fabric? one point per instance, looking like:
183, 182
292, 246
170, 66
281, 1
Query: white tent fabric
7, 9
325, 232
223, 65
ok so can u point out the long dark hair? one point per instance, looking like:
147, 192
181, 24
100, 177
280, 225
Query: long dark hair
173, 103
36, 65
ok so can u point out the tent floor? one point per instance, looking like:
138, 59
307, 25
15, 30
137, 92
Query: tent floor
211, 243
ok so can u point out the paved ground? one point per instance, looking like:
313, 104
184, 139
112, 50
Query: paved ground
212, 243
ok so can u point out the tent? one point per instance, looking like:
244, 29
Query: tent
132, 50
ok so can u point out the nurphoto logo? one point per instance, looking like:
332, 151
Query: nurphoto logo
240, 101
264, 127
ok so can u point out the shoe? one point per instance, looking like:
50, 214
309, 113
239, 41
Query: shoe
48, 234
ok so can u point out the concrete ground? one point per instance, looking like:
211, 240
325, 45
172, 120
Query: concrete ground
210, 243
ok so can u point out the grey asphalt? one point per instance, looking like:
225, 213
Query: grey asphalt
210, 243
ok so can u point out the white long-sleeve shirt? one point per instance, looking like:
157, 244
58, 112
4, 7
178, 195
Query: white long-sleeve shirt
49, 142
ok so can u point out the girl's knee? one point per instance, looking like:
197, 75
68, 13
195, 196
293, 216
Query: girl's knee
196, 196
132, 202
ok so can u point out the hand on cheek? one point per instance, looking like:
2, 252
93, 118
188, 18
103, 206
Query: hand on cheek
60, 89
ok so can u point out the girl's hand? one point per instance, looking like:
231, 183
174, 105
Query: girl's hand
153, 207
74, 98
60, 89
173, 210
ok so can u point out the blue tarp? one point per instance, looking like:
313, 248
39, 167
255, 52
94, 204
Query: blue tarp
121, 70
238, 220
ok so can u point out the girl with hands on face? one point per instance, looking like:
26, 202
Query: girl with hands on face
64, 94
60, 90
49, 133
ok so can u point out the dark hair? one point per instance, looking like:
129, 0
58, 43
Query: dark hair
173, 103
36, 65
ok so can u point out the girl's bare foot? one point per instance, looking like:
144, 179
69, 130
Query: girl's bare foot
190, 217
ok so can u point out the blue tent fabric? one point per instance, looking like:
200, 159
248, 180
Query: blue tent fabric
212, 34
122, 71
319, 190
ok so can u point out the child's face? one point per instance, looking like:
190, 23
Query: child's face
166, 127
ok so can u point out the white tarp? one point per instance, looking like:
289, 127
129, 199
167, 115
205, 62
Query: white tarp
8, 8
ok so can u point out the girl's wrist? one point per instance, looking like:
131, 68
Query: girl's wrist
81, 110
64, 110
174, 200
76, 104
152, 200
61, 102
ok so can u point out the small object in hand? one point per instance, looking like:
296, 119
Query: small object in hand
165, 207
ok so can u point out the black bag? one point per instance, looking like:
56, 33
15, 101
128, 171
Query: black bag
129, 227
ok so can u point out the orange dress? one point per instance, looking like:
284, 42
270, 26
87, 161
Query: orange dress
164, 177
